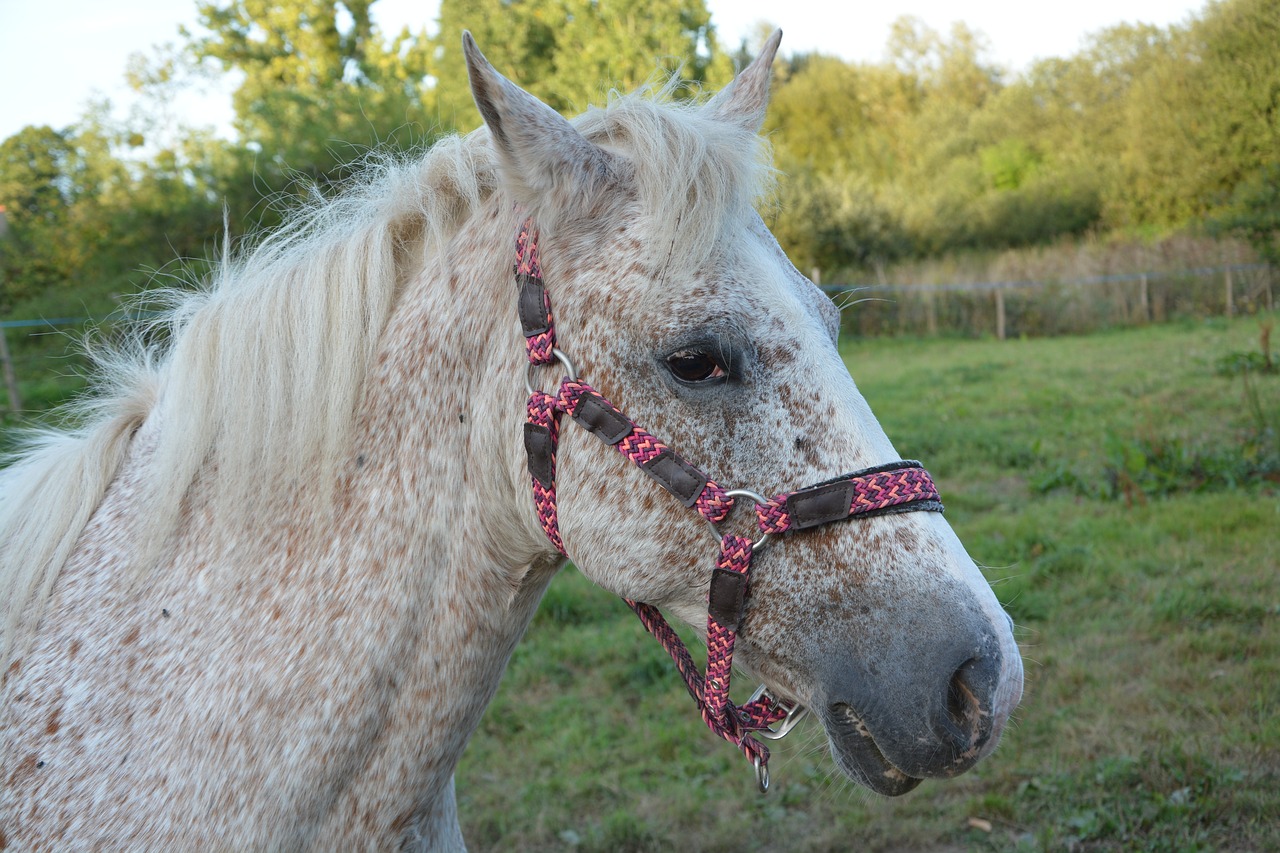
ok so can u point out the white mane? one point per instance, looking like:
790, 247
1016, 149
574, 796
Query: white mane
262, 377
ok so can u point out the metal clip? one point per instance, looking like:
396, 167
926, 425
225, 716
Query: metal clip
795, 714
762, 775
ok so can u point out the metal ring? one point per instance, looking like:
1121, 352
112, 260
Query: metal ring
741, 493
562, 358
762, 774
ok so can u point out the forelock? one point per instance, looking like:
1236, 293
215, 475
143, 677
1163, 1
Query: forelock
696, 176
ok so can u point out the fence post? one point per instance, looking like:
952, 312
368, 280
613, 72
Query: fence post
931, 312
10, 380
1231, 302
1144, 299
999, 313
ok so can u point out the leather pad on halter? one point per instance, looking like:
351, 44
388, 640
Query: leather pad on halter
820, 504
532, 305
599, 418
676, 476
728, 598
539, 447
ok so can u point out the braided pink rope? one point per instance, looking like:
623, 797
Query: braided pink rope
711, 692
540, 346
871, 492
527, 262
735, 556
542, 412
640, 447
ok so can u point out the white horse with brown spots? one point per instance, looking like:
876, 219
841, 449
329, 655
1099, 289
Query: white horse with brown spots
261, 598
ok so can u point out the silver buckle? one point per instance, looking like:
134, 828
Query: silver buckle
796, 713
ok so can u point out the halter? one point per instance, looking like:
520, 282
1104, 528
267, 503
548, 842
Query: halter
902, 486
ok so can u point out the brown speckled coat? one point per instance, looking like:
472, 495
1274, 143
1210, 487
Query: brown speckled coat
262, 601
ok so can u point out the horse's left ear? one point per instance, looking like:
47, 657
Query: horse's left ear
744, 100
544, 161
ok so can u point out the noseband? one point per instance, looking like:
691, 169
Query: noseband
902, 486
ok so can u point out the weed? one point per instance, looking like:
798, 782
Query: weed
1236, 363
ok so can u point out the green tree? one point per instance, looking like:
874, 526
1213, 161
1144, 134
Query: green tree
571, 52
41, 176
1253, 212
321, 84
1205, 117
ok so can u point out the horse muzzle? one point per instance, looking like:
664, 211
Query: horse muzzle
893, 724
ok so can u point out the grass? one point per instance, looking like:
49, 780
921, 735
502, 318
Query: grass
1148, 613
1123, 491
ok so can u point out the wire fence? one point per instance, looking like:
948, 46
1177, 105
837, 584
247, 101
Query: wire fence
1054, 307
997, 308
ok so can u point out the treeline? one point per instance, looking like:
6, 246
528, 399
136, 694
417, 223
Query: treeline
936, 150
1143, 132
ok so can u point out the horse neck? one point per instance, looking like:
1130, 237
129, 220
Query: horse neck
444, 403
440, 484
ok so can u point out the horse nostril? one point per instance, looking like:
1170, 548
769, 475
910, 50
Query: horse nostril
963, 707
968, 718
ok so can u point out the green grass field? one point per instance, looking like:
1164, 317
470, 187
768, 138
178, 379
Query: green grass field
1124, 495
1122, 491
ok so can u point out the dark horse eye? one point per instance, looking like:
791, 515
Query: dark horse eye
694, 366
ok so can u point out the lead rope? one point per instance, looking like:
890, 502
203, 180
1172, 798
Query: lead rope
902, 486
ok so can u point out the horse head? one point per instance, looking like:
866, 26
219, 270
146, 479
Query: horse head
673, 297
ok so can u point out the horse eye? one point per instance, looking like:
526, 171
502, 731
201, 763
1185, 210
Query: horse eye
694, 366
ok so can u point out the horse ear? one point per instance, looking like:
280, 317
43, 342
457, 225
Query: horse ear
744, 100
543, 159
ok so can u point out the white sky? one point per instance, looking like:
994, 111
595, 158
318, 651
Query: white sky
57, 54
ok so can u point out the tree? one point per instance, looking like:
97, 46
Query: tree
321, 84
570, 52
39, 186
1205, 116
1253, 212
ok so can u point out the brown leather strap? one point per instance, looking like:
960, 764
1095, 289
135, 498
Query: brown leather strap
727, 598
676, 476
820, 504
538, 447
599, 418
532, 305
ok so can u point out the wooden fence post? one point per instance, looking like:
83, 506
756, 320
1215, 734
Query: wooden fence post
1144, 299
999, 313
10, 380
1231, 302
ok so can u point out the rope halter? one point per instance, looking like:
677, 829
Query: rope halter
902, 486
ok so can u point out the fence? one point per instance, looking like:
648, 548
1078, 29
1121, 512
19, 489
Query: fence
1003, 308
7, 365
1069, 306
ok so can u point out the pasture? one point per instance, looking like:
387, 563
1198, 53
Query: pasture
1122, 492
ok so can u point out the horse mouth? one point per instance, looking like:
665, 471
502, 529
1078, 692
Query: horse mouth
855, 751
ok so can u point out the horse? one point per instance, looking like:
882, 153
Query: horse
260, 593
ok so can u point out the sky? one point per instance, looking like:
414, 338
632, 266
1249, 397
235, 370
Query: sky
58, 55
